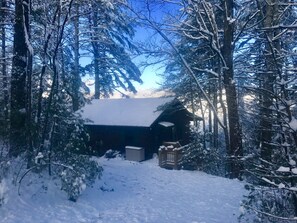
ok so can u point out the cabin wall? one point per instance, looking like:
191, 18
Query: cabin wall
181, 120
103, 138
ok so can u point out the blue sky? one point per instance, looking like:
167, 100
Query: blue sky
151, 79
158, 10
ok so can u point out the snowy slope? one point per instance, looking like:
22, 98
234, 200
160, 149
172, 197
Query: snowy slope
132, 192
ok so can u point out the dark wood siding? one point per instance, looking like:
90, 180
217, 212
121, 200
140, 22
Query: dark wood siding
181, 119
103, 138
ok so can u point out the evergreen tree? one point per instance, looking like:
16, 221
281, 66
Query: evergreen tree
110, 32
207, 45
273, 58
45, 86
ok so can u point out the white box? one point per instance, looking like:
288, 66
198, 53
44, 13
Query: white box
134, 153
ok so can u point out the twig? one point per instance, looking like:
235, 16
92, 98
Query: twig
271, 215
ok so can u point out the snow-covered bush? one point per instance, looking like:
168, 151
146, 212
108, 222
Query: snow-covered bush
64, 150
264, 204
193, 152
195, 157
111, 154
192, 157
65, 160
80, 173
273, 191
75, 169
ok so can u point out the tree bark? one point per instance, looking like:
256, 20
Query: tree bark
4, 67
76, 76
235, 150
215, 119
268, 16
95, 46
44, 66
55, 81
29, 129
96, 71
18, 80
224, 110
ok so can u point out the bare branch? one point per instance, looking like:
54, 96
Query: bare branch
184, 62
271, 215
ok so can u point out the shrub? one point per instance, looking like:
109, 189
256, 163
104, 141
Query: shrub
111, 154
195, 157
264, 204
76, 170
81, 172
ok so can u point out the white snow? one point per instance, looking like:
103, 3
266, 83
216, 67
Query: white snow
285, 144
292, 162
293, 124
134, 147
130, 192
38, 157
268, 181
294, 170
3, 192
283, 169
293, 189
166, 124
231, 20
124, 112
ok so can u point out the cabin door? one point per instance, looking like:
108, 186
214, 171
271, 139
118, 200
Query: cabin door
166, 132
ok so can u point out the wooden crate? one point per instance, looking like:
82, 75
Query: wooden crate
170, 154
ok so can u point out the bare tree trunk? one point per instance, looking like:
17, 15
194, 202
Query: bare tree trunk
97, 73
268, 80
235, 150
18, 80
214, 86
4, 67
29, 136
210, 120
95, 45
193, 104
54, 86
76, 77
203, 124
215, 119
44, 66
224, 111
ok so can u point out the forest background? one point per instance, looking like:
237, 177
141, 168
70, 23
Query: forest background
234, 62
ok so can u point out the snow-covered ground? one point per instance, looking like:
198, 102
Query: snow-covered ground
131, 192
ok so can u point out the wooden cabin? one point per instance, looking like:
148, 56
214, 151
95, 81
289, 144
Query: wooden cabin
140, 122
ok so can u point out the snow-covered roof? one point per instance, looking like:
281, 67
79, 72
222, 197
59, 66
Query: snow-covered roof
140, 112
166, 124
